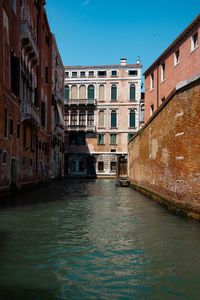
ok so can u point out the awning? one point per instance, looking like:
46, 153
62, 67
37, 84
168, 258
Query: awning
62, 122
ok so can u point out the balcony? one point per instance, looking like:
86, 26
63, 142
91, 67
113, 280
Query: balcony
58, 130
80, 102
29, 42
29, 112
59, 96
86, 128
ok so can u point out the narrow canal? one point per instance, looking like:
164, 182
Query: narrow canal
79, 239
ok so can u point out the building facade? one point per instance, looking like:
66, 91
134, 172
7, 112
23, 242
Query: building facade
102, 112
181, 60
25, 94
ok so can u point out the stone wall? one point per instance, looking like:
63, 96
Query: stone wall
164, 157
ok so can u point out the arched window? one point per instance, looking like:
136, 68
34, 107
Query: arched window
74, 92
113, 119
132, 118
82, 92
101, 118
67, 92
101, 92
132, 92
113, 93
91, 92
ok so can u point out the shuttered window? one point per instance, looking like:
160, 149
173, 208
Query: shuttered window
74, 92
101, 118
82, 92
100, 139
113, 93
113, 139
101, 92
132, 119
66, 92
113, 119
90, 92
132, 92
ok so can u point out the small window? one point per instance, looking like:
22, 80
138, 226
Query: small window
11, 126
151, 110
112, 166
101, 73
133, 72
113, 119
74, 74
46, 74
194, 41
18, 131
100, 166
100, 139
162, 99
132, 119
91, 73
163, 72
66, 74
5, 122
176, 57
113, 139
82, 73
152, 81
113, 93
114, 73
112, 150
4, 158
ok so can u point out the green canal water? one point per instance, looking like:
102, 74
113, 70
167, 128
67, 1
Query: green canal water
79, 239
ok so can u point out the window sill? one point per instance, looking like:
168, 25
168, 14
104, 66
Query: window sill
100, 144
132, 127
113, 127
163, 80
152, 89
178, 63
192, 50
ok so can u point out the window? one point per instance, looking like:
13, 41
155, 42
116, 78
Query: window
4, 160
66, 118
43, 113
142, 113
133, 72
162, 99
176, 57
90, 92
113, 119
91, 73
81, 165
132, 119
101, 118
74, 74
24, 135
46, 74
74, 92
151, 110
152, 82
90, 118
130, 135
100, 139
15, 73
66, 74
194, 41
113, 93
67, 92
11, 126
14, 5
73, 166
132, 92
82, 92
18, 131
5, 122
47, 40
112, 166
74, 118
82, 118
100, 166
113, 139
163, 72
112, 150
102, 73
82, 73
101, 92
114, 73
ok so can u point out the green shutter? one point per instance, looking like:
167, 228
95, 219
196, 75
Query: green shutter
132, 119
132, 92
113, 119
67, 93
113, 93
91, 92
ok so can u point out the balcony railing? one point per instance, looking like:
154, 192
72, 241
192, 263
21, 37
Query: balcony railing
29, 112
28, 41
80, 102
90, 128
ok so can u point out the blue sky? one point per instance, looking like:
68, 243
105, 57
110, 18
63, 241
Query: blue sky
97, 32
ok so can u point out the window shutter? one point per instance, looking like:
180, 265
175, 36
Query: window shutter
66, 92
132, 119
90, 92
132, 92
82, 92
101, 92
113, 119
113, 93
101, 118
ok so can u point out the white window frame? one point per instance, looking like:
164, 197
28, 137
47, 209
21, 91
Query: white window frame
177, 57
151, 81
163, 72
194, 44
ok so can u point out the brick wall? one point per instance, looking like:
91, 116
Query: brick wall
164, 155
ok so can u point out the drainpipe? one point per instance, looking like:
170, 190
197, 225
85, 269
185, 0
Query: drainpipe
158, 85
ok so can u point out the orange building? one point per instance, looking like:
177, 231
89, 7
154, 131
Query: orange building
181, 60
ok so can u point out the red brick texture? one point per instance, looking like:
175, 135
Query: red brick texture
164, 156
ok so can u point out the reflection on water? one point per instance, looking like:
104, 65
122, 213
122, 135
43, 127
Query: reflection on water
79, 239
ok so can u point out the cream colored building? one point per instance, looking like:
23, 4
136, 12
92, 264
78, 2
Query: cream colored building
102, 105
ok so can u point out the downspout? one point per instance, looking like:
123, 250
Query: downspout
158, 85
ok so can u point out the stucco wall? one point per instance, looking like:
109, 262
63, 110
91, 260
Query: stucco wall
164, 156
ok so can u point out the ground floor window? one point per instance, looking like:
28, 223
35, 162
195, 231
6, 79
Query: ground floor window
100, 166
112, 166
73, 166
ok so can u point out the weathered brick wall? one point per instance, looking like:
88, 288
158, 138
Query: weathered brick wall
164, 157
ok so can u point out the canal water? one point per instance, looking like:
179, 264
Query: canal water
79, 239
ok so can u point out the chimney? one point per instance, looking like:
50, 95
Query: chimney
138, 61
123, 61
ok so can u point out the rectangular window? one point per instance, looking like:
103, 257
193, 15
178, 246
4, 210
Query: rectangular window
74, 74
152, 82
100, 139
112, 166
151, 110
91, 73
113, 93
176, 57
113, 119
43, 114
15, 73
82, 74
163, 72
18, 131
133, 72
113, 139
114, 73
90, 119
101, 73
162, 99
66, 74
46, 74
4, 161
14, 5
132, 119
100, 166
47, 40
194, 41
11, 126
130, 135
24, 135
5, 122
